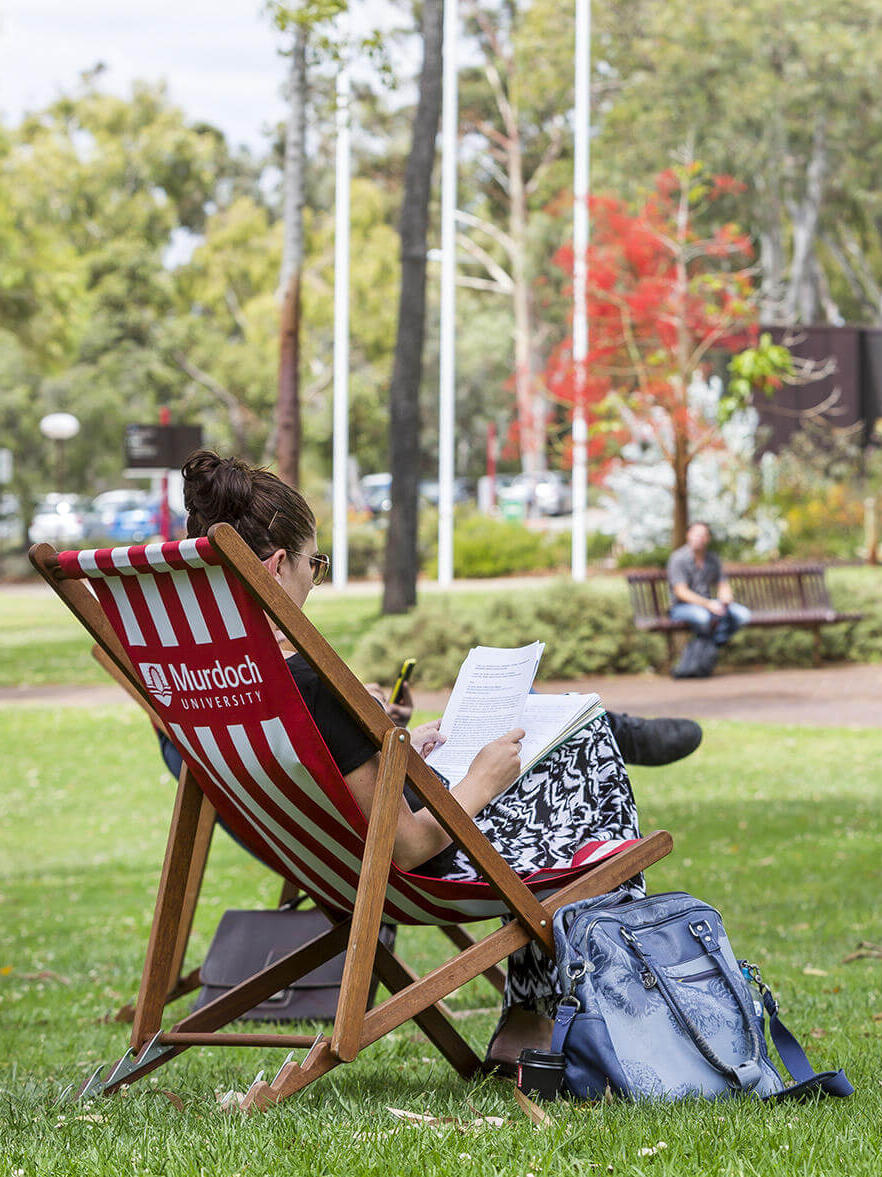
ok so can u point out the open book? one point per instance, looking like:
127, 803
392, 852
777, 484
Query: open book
491, 696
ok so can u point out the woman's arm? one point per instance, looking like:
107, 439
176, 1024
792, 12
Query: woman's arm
419, 836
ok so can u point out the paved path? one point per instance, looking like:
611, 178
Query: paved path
849, 695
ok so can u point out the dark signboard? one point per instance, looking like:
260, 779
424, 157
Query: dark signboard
161, 447
848, 398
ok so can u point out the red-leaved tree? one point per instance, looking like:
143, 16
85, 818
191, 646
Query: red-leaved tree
667, 286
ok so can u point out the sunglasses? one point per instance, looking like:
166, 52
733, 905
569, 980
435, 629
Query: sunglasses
320, 565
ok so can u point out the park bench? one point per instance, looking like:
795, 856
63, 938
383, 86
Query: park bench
794, 595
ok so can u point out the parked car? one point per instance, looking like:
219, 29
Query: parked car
140, 523
62, 519
553, 494
110, 504
548, 493
376, 489
463, 490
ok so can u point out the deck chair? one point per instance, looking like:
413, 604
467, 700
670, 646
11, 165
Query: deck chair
184, 982
186, 622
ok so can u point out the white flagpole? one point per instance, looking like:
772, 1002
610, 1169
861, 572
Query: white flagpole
580, 274
447, 373
340, 562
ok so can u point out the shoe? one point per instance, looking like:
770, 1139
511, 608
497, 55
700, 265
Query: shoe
518, 1029
654, 741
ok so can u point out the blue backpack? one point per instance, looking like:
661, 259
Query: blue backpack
656, 1006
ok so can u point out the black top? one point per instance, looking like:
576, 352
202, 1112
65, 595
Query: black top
347, 743
351, 748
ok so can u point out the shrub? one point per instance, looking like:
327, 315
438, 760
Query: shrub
598, 545
588, 631
587, 628
366, 547
820, 484
824, 526
483, 546
653, 558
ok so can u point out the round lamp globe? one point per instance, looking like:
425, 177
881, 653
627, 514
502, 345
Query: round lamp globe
60, 426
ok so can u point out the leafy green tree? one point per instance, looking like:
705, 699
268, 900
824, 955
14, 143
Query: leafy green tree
223, 332
98, 187
783, 94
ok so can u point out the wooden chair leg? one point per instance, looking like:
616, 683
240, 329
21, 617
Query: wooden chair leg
463, 939
200, 1026
201, 845
165, 932
289, 891
435, 1021
368, 908
180, 984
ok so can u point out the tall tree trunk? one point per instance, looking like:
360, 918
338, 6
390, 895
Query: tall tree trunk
400, 568
288, 425
530, 401
800, 303
681, 493
771, 238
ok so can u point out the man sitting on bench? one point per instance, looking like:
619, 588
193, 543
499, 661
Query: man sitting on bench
700, 591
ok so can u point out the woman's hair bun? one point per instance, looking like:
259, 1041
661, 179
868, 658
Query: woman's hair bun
215, 488
266, 512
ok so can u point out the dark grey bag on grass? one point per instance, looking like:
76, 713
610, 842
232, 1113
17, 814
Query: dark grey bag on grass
698, 659
247, 941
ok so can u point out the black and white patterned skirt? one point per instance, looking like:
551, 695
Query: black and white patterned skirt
578, 793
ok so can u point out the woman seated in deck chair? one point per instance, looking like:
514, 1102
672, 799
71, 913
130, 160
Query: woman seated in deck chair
581, 791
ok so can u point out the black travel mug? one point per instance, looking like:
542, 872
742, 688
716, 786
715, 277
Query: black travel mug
540, 1073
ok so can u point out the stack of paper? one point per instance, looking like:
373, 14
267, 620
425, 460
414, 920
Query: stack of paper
491, 696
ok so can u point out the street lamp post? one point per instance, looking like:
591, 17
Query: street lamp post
447, 373
59, 427
581, 169
340, 549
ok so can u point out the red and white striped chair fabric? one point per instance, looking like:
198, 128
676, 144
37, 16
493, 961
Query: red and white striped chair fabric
207, 654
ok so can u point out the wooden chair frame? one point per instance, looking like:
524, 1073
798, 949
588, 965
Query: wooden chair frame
412, 997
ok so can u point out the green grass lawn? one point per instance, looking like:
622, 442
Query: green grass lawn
779, 827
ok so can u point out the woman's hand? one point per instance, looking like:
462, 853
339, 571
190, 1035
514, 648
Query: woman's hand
399, 712
498, 764
426, 737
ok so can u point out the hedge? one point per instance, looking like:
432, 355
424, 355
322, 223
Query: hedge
588, 630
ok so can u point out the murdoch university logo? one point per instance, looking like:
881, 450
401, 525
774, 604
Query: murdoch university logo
204, 689
156, 682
